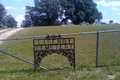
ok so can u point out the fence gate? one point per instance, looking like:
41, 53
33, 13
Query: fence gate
54, 44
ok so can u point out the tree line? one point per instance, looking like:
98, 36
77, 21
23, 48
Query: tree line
6, 21
47, 12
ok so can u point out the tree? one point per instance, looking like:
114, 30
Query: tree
10, 22
46, 12
69, 7
99, 17
2, 15
90, 11
6, 20
85, 10
81, 10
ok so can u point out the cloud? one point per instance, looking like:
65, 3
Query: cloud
19, 19
103, 12
10, 7
114, 9
101, 2
118, 14
104, 3
24, 8
113, 3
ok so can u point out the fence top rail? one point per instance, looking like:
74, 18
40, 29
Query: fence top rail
94, 32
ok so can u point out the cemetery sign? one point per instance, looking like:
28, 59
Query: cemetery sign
54, 44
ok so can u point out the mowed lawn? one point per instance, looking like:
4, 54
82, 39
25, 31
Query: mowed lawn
58, 66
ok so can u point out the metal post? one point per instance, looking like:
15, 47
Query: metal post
74, 54
97, 46
34, 55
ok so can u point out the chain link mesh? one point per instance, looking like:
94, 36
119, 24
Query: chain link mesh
85, 52
109, 48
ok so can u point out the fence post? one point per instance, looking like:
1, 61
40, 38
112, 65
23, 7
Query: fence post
97, 44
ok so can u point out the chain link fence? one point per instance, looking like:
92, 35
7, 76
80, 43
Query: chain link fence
92, 49
109, 49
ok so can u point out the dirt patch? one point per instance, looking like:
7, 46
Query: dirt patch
111, 77
58, 69
67, 79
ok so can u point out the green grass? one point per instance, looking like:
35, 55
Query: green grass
58, 65
2, 28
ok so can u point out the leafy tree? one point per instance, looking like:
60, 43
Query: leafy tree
91, 12
6, 20
10, 22
2, 14
81, 10
84, 10
99, 16
46, 12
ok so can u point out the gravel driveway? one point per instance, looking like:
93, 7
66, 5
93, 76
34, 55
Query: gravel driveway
8, 33
4, 30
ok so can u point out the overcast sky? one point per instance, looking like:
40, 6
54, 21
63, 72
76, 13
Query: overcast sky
109, 8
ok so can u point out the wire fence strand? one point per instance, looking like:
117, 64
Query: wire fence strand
85, 46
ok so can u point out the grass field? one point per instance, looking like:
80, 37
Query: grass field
58, 65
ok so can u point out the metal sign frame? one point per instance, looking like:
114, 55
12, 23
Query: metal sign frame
54, 44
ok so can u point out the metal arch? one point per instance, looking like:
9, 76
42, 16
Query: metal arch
54, 44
